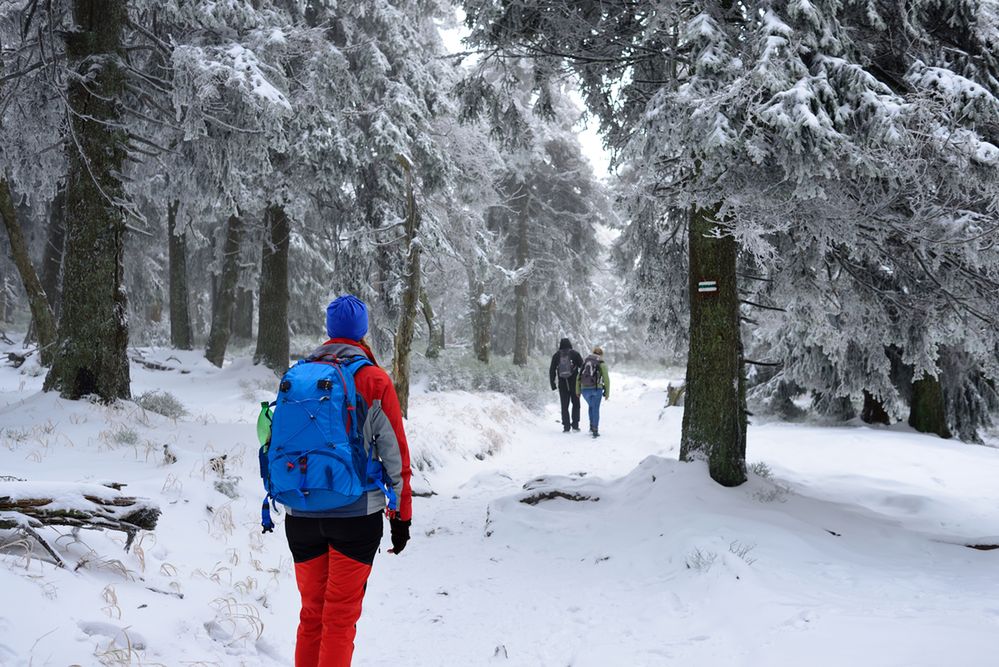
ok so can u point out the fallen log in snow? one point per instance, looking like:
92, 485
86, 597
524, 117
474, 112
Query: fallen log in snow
27, 506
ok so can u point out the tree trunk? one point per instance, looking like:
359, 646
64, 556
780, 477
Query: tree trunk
51, 276
93, 327
52, 258
225, 299
714, 414
273, 344
242, 315
483, 306
180, 310
874, 411
41, 312
410, 296
520, 291
927, 411
435, 329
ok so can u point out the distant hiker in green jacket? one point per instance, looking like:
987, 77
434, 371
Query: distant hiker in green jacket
594, 384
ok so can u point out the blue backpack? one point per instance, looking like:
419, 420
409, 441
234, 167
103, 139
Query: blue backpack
315, 459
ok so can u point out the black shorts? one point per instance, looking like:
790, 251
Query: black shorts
356, 537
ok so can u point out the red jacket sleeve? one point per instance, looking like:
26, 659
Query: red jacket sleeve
388, 433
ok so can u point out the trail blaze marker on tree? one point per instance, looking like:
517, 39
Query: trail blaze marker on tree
707, 286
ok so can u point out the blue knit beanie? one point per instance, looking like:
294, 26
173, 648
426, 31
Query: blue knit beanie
347, 317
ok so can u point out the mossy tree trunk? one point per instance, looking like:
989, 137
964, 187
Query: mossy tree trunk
482, 306
928, 411
714, 414
273, 344
520, 291
180, 310
41, 312
410, 295
93, 325
225, 299
435, 329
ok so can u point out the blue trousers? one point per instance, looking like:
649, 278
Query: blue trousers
593, 396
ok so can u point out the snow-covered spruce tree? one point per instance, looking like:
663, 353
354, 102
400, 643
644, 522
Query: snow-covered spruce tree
547, 218
802, 142
32, 162
907, 275
464, 265
392, 84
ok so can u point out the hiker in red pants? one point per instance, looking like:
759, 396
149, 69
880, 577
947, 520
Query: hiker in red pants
333, 550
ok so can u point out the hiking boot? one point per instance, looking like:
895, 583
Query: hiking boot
565, 429
596, 434
575, 427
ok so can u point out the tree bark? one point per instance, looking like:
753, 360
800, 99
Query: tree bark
180, 310
482, 307
520, 291
273, 344
242, 315
410, 295
225, 299
435, 329
927, 411
55, 245
41, 312
874, 411
93, 327
714, 414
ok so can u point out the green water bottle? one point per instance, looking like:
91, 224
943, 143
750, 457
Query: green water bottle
264, 420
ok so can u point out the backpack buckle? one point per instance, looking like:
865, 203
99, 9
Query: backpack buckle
325, 384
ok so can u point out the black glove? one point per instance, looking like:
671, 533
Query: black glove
400, 535
553, 387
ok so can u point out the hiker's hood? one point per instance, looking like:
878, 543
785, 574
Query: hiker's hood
564, 344
343, 348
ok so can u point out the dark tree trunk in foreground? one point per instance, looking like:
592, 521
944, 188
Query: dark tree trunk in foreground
93, 326
180, 309
714, 416
41, 312
273, 345
927, 411
435, 329
520, 291
874, 411
410, 296
225, 298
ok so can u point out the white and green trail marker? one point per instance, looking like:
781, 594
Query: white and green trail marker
707, 286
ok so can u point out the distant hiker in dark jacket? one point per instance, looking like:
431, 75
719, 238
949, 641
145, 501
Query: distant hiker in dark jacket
564, 369
333, 551
594, 384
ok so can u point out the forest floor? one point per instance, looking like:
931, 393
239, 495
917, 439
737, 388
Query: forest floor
847, 546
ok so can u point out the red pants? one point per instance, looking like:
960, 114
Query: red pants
333, 559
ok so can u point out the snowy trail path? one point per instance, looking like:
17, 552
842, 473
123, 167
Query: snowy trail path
476, 596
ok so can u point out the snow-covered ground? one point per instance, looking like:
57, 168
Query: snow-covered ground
848, 551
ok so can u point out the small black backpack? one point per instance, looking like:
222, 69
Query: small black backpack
565, 365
